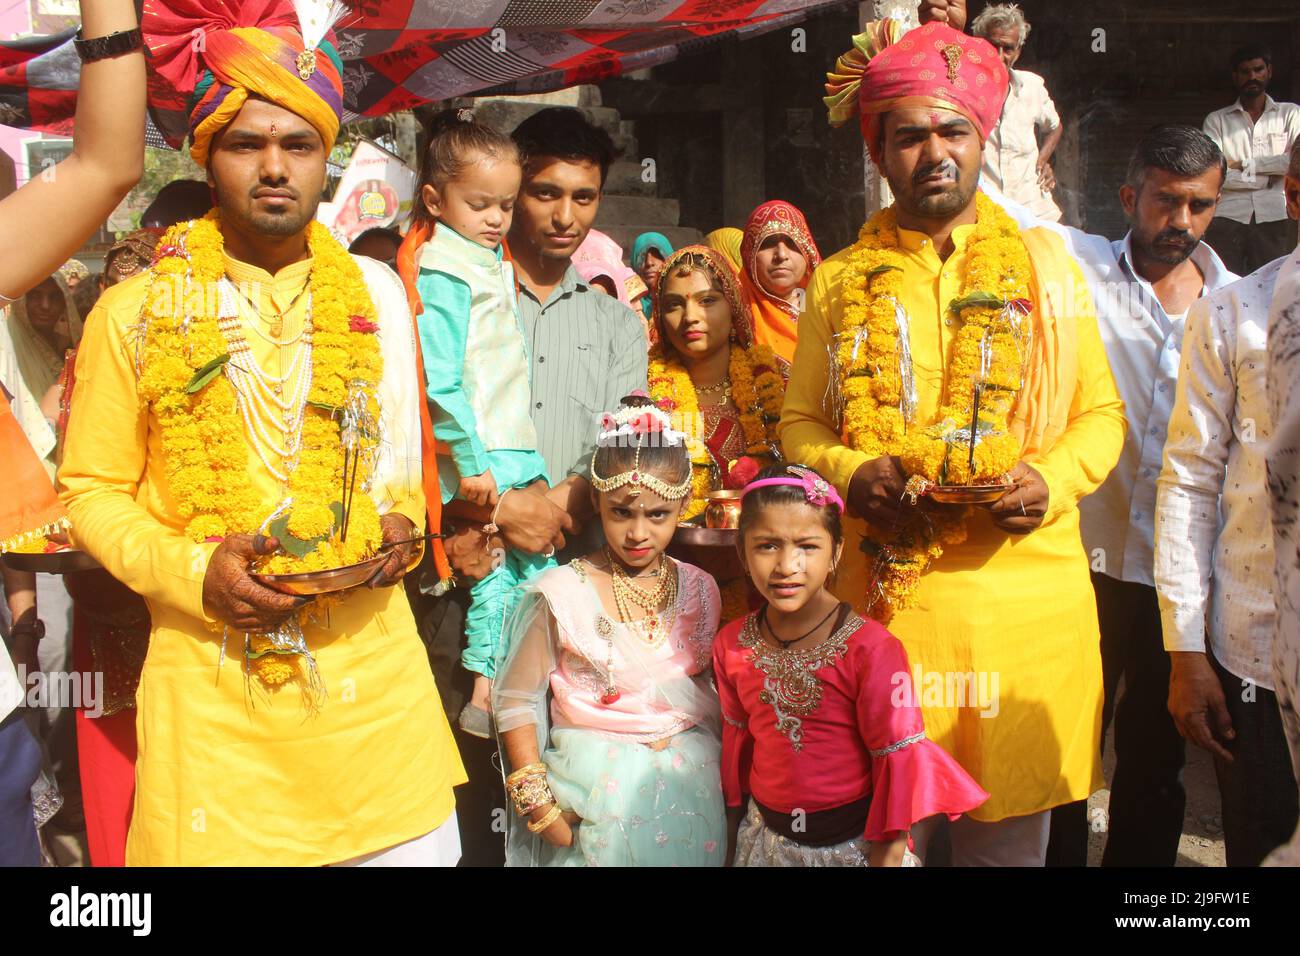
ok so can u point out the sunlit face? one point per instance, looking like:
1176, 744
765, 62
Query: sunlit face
1251, 77
781, 266
479, 203
931, 158
46, 307
1170, 213
557, 205
697, 316
268, 170
652, 263
1007, 42
789, 554
638, 527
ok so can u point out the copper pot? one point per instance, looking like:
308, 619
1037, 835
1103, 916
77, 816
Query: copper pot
723, 510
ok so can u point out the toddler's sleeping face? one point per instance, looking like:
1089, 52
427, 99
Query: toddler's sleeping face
479, 203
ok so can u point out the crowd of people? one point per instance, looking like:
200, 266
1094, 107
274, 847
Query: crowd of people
982, 466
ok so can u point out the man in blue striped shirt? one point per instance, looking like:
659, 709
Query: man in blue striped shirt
586, 351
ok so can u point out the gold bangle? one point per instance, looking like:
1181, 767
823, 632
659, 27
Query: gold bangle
530, 793
551, 816
530, 770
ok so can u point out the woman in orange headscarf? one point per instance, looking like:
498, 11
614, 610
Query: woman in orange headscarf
778, 256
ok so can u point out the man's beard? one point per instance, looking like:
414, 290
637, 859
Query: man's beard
936, 205
290, 222
282, 224
1154, 251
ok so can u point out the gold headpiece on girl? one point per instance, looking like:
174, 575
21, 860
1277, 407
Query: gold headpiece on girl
645, 425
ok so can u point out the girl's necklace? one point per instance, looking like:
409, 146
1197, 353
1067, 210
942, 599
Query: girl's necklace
654, 602
786, 645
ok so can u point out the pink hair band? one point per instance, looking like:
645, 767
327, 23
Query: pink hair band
818, 491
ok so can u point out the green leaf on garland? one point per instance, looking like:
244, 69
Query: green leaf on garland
979, 300
207, 373
331, 410
880, 270
298, 547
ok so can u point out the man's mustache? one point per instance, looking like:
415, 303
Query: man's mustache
1176, 235
946, 167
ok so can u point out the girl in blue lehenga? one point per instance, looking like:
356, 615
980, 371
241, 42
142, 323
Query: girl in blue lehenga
606, 712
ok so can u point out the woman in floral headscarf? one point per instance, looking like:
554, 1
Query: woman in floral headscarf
777, 256
705, 369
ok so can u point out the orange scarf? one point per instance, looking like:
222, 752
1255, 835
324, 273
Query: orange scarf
31, 507
408, 257
775, 319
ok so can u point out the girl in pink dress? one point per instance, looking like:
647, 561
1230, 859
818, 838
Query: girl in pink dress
607, 718
824, 756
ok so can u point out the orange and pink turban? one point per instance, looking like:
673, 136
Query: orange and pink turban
223, 51
932, 65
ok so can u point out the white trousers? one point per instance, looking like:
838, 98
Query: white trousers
440, 847
1015, 841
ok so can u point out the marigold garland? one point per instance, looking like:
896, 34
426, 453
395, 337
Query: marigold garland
206, 451
994, 332
758, 391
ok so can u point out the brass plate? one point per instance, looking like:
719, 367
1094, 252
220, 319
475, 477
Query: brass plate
323, 582
969, 494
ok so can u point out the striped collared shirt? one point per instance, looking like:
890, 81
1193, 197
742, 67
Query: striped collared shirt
587, 350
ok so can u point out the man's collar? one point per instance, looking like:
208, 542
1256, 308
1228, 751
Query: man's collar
1269, 104
241, 271
569, 282
1213, 271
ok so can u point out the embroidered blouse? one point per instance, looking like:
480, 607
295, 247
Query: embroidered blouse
816, 728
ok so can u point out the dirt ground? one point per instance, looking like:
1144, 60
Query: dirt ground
1202, 841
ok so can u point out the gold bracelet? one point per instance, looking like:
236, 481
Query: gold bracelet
530, 770
531, 793
552, 815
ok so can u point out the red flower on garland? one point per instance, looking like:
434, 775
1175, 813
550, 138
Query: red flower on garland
743, 470
359, 323
162, 252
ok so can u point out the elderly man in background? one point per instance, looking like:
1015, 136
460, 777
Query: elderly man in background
1256, 134
1014, 160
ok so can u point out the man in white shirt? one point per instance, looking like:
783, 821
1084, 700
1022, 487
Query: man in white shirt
1214, 566
1014, 161
1141, 286
1256, 133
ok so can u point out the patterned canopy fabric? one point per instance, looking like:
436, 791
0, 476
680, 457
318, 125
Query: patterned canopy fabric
400, 53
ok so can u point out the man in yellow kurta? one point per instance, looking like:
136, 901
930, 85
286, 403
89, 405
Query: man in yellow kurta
1001, 625
239, 768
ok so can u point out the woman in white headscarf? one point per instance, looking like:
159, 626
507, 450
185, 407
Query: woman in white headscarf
41, 328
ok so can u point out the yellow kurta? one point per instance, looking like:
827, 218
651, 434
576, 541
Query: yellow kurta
224, 777
1018, 610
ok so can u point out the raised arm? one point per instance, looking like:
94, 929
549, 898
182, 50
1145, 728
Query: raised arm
66, 204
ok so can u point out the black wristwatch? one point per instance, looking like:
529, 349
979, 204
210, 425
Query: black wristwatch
34, 629
101, 48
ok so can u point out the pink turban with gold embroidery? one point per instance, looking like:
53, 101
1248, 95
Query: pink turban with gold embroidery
933, 65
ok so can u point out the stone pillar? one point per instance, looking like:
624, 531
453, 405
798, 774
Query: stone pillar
744, 149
